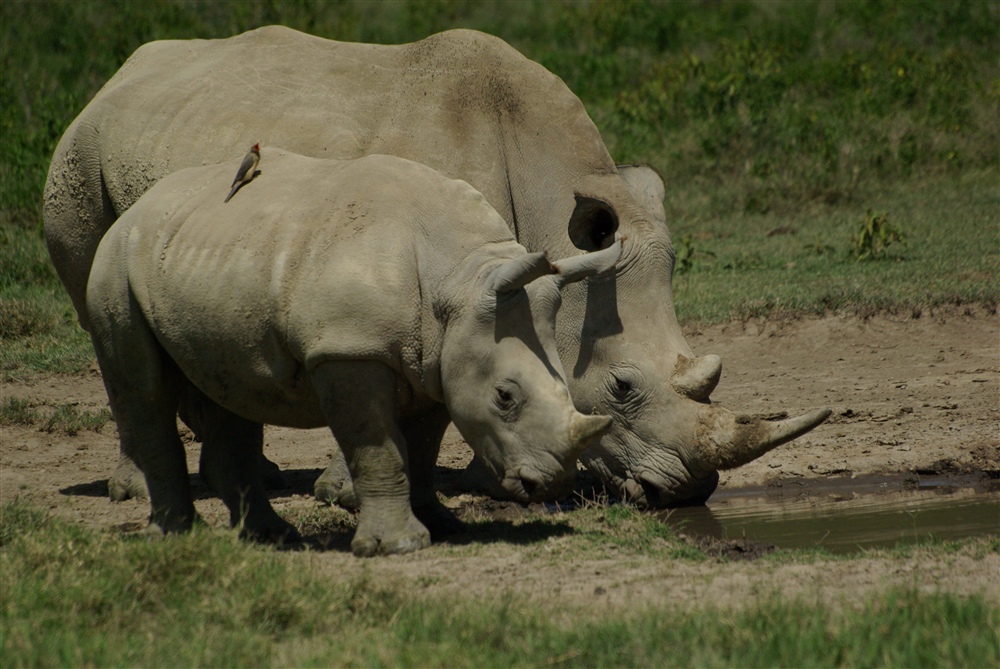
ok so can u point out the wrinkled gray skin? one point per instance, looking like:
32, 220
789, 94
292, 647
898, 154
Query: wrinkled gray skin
371, 296
470, 106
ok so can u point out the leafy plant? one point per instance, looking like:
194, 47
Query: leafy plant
875, 235
685, 261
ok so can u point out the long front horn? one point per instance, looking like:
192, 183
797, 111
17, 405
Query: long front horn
725, 440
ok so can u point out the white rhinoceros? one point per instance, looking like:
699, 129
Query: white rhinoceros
367, 295
472, 107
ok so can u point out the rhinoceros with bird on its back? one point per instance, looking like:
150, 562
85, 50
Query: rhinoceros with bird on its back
472, 107
374, 296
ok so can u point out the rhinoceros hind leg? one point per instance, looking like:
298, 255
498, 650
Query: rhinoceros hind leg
231, 457
192, 413
274, 479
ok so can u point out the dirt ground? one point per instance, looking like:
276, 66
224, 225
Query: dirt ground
907, 394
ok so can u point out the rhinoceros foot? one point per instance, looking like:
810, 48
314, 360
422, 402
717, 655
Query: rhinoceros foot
378, 538
127, 481
439, 520
335, 486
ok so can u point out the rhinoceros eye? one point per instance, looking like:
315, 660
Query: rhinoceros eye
623, 383
621, 387
505, 397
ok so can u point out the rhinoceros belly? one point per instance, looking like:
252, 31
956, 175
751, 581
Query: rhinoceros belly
210, 310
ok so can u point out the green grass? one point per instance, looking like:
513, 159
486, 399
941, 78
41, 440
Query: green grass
64, 419
38, 327
72, 596
760, 266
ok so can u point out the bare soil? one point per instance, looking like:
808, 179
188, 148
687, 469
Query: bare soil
908, 395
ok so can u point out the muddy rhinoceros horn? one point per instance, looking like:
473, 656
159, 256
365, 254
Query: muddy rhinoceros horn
725, 440
696, 378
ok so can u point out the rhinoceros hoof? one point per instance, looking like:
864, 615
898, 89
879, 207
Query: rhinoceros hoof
334, 491
163, 524
413, 539
127, 482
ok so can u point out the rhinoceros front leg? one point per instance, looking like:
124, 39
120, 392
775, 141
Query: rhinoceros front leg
231, 458
358, 401
423, 436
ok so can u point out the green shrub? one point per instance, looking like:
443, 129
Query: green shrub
874, 237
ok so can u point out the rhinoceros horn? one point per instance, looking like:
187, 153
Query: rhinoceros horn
519, 272
584, 429
696, 378
725, 440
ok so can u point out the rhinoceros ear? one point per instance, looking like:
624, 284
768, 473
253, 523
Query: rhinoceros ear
646, 186
580, 267
519, 272
593, 224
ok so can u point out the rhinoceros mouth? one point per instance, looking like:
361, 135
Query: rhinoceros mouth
651, 491
525, 484
647, 490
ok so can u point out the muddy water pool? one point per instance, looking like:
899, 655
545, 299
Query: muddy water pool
844, 514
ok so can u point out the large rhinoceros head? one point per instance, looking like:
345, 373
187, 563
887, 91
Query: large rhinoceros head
629, 360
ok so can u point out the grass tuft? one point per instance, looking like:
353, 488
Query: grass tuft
65, 419
17, 411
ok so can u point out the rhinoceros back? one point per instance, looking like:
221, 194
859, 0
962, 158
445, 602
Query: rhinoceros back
312, 260
462, 102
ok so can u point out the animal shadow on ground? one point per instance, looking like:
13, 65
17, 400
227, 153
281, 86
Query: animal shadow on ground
338, 539
298, 482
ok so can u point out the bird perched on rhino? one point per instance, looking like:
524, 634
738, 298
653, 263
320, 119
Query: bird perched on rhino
247, 171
